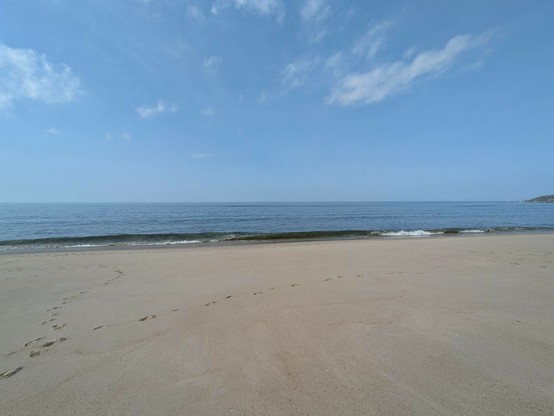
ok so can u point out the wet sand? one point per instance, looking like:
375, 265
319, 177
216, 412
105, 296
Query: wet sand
430, 326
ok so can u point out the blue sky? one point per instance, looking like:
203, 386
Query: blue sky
273, 100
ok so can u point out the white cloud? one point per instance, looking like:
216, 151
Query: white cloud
127, 136
315, 10
335, 63
211, 63
159, 108
202, 155
388, 79
52, 131
315, 13
263, 7
372, 41
296, 73
207, 112
24, 74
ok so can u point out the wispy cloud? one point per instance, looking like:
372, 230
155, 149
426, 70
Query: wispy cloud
52, 131
262, 7
195, 12
315, 10
202, 155
151, 9
263, 97
392, 78
373, 40
296, 73
315, 13
178, 48
24, 74
335, 63
211, 64
159, 108
123, 136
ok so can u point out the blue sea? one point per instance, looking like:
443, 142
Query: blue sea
56, 225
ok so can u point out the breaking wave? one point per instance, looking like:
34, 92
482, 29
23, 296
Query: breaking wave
178, 239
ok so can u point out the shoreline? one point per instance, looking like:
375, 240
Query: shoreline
247, 242
423, 326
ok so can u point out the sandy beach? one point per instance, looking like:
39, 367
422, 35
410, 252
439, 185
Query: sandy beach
430, 326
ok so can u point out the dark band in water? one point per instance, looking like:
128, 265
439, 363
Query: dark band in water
199, 238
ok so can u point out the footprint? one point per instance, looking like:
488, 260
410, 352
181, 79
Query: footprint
48, 321
147, 317
34, 353
84, 291
54, 341
9, 373
328, 279
228, 297
65, 302
257, 293
210, 303
98, 327
294, 284
174, 310
56, 327
33, 341
339, 276
54, 308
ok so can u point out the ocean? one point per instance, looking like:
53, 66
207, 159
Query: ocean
60, 225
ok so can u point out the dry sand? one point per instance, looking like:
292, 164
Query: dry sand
436, 326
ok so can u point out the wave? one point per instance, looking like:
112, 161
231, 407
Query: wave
177, 239
416, 233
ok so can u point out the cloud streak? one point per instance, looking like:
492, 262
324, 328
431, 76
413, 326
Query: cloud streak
24, 74
372, 41
392, 78
314, 13
202, 155
296, 73
262, 7
159, 108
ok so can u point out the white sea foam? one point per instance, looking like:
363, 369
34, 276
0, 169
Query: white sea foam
164, 243
472, 231
416, 233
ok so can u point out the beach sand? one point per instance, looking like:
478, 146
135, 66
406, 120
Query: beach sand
429, 326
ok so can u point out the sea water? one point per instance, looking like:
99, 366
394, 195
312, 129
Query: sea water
122, 224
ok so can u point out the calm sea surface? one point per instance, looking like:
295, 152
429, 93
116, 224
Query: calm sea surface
71, 225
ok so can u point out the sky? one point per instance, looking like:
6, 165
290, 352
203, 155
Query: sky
274, 100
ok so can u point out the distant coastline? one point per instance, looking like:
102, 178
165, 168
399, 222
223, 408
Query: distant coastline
543, 198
